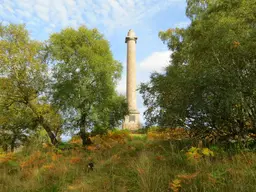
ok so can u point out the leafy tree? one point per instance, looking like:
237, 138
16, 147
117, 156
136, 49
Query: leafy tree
210, 84
17, 125
111, 115
23, 75
85, 75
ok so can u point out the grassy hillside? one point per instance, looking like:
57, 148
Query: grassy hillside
152, 162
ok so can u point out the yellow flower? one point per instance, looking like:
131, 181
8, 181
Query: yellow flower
193, 149
207, 152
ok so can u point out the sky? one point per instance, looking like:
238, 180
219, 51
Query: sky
113, 18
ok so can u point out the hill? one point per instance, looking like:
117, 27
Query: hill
151, 162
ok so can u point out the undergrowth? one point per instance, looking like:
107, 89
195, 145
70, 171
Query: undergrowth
128, 162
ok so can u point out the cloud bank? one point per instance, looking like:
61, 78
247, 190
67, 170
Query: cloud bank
109, 15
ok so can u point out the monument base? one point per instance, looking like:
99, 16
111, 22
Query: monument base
132, 121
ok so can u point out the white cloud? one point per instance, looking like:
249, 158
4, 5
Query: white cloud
157, 61
9, 9
42, 12
23, 13
111, 14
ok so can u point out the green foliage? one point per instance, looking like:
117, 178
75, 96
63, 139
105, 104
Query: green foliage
85, 75
17, 125
81, 85
209, 87
23, 81
195, 154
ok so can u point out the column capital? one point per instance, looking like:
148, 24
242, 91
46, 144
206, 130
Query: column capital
128, 38
131, 36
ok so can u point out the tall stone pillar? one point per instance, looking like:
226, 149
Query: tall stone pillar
132, 121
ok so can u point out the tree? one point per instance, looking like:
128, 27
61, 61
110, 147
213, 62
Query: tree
110, 115
23, 73
210, 84
85, 75
17, 125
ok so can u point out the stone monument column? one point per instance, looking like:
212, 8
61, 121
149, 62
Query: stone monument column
132, 120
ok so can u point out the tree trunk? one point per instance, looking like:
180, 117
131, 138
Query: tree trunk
5, 148
44, 124
13, 143
85, 137
47, 128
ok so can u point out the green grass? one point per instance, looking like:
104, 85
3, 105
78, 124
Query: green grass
138, 165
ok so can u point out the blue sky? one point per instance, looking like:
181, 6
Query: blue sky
113, 18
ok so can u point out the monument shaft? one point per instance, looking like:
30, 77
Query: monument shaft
131, 74
132, 121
